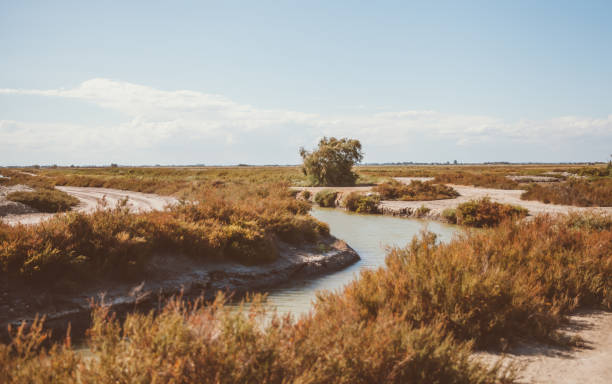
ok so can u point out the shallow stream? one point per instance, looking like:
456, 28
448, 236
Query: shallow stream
369, 235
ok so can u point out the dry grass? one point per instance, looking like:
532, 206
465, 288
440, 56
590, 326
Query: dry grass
578, 192
415, 191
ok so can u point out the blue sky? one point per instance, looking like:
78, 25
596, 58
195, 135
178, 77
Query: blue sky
178, 82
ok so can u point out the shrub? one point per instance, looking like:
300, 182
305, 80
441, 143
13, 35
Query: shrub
415, 191
357, 202
332, 162
486, 213
45, 200
450, 215
422, 211
582, 193
326, 198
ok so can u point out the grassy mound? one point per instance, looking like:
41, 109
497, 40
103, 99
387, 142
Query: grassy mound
45, 200
415, 191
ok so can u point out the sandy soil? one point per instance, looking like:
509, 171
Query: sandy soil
591, 363
90, 199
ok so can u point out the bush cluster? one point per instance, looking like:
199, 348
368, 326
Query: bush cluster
415, 191
45, 200
326, 198
360, 203
483, 213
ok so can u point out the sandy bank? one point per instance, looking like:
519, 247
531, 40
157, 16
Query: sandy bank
168, 275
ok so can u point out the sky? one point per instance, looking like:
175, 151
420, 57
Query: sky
228, 82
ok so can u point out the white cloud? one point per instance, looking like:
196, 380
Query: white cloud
154, 117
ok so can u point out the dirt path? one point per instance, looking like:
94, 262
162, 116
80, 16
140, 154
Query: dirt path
91, 198
545, 364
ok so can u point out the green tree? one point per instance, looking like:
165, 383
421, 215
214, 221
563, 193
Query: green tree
331, 163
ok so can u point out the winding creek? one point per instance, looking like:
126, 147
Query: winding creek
366, 234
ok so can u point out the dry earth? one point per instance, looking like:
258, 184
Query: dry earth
591, 363
91, 198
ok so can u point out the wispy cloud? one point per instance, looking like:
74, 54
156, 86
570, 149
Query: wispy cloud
154, 117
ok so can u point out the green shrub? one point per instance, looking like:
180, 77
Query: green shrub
486, 213
357, 202
326, 198
45, 200
422, 211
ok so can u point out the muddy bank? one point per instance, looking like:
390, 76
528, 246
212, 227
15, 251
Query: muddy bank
90, 199
590, 363
165, 276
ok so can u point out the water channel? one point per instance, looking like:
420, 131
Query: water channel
369, 235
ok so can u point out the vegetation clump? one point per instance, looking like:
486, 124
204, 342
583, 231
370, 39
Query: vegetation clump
45, 199
484, 213
360, 203
415, 191
578, 192
326, 198
237, 223
332, 162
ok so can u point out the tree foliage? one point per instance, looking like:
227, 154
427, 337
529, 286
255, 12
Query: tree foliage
332, 161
